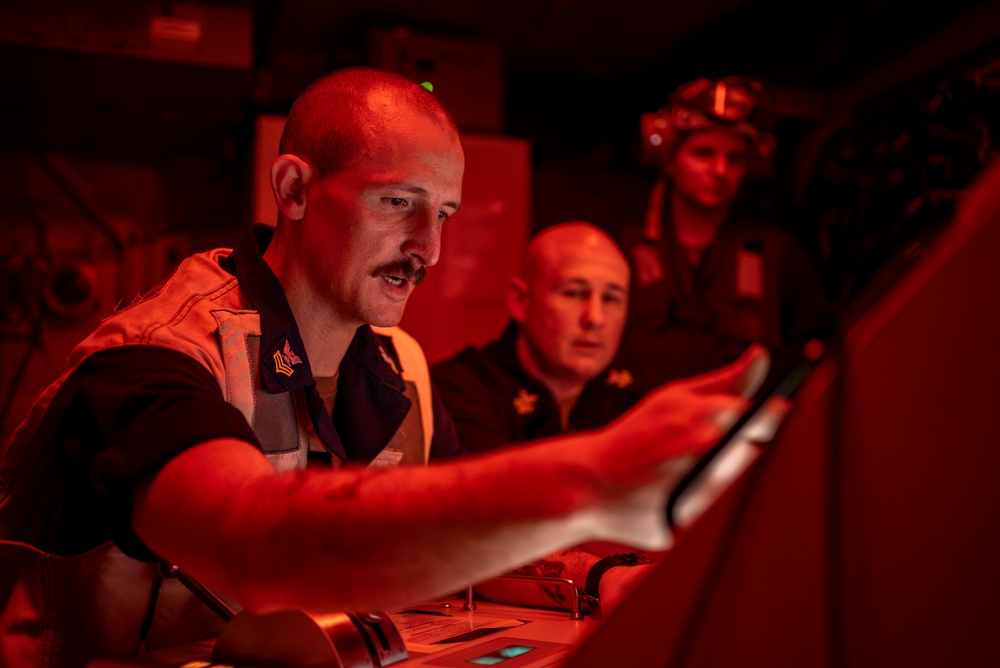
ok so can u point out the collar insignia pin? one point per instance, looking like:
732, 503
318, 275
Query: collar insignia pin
620, 379
388, 360
524, 403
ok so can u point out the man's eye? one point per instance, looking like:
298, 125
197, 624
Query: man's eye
442, 215
612, 299
397, 201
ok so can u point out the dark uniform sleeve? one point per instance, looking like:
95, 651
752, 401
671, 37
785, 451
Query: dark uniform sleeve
127, 412
472, 407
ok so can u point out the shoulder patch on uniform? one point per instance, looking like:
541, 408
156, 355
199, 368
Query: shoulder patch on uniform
284, 359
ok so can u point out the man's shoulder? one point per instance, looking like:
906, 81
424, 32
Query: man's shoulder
183, 301
470, 359
199, 278
474, 366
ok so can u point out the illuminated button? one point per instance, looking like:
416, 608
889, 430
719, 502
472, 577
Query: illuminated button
500, 655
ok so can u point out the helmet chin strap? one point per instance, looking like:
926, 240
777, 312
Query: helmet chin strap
653, 228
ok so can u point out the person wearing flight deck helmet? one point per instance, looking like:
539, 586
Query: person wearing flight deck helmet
706, 281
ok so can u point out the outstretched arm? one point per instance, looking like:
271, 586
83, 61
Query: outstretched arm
380, 539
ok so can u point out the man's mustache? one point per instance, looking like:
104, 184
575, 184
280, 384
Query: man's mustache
402, 269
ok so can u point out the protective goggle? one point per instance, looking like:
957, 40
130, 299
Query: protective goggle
730, 100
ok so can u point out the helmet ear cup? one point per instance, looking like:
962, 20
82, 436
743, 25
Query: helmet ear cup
761, 163
658, 135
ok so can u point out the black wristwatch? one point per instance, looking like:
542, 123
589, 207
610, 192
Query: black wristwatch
598, 570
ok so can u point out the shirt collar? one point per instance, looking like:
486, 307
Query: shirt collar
283, 354
284, 363
504, 351
365, 418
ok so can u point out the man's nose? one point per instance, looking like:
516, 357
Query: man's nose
423, 244
593, 312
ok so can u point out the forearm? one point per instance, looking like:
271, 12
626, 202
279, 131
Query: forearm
402, 536
358, 538
361, 539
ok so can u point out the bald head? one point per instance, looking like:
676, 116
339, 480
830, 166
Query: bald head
336, 118
571, 300
571, 243
371, 167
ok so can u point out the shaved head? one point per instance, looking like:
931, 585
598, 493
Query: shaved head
567, 242
571, 299
335, 119
371, 166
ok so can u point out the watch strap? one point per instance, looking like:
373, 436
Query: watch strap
597, 571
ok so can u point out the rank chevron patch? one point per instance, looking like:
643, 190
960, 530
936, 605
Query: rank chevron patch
284, 359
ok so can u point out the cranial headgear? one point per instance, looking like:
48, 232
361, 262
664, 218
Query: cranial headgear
739, 104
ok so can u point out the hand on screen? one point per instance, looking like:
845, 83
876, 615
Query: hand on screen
655, 443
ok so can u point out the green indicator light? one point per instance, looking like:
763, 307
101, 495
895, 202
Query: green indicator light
500, 655
428, 85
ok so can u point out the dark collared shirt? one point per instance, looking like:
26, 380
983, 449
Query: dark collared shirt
372, 404
117, 414
495, 402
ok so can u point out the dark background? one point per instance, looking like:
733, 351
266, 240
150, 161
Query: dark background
126, 139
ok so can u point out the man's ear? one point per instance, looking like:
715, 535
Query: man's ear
290, 176
517, 299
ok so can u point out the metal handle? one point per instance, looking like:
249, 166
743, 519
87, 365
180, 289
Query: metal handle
206, 595
576, 611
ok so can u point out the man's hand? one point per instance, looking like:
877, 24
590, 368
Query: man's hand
655, 443
396, 537
683, 418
